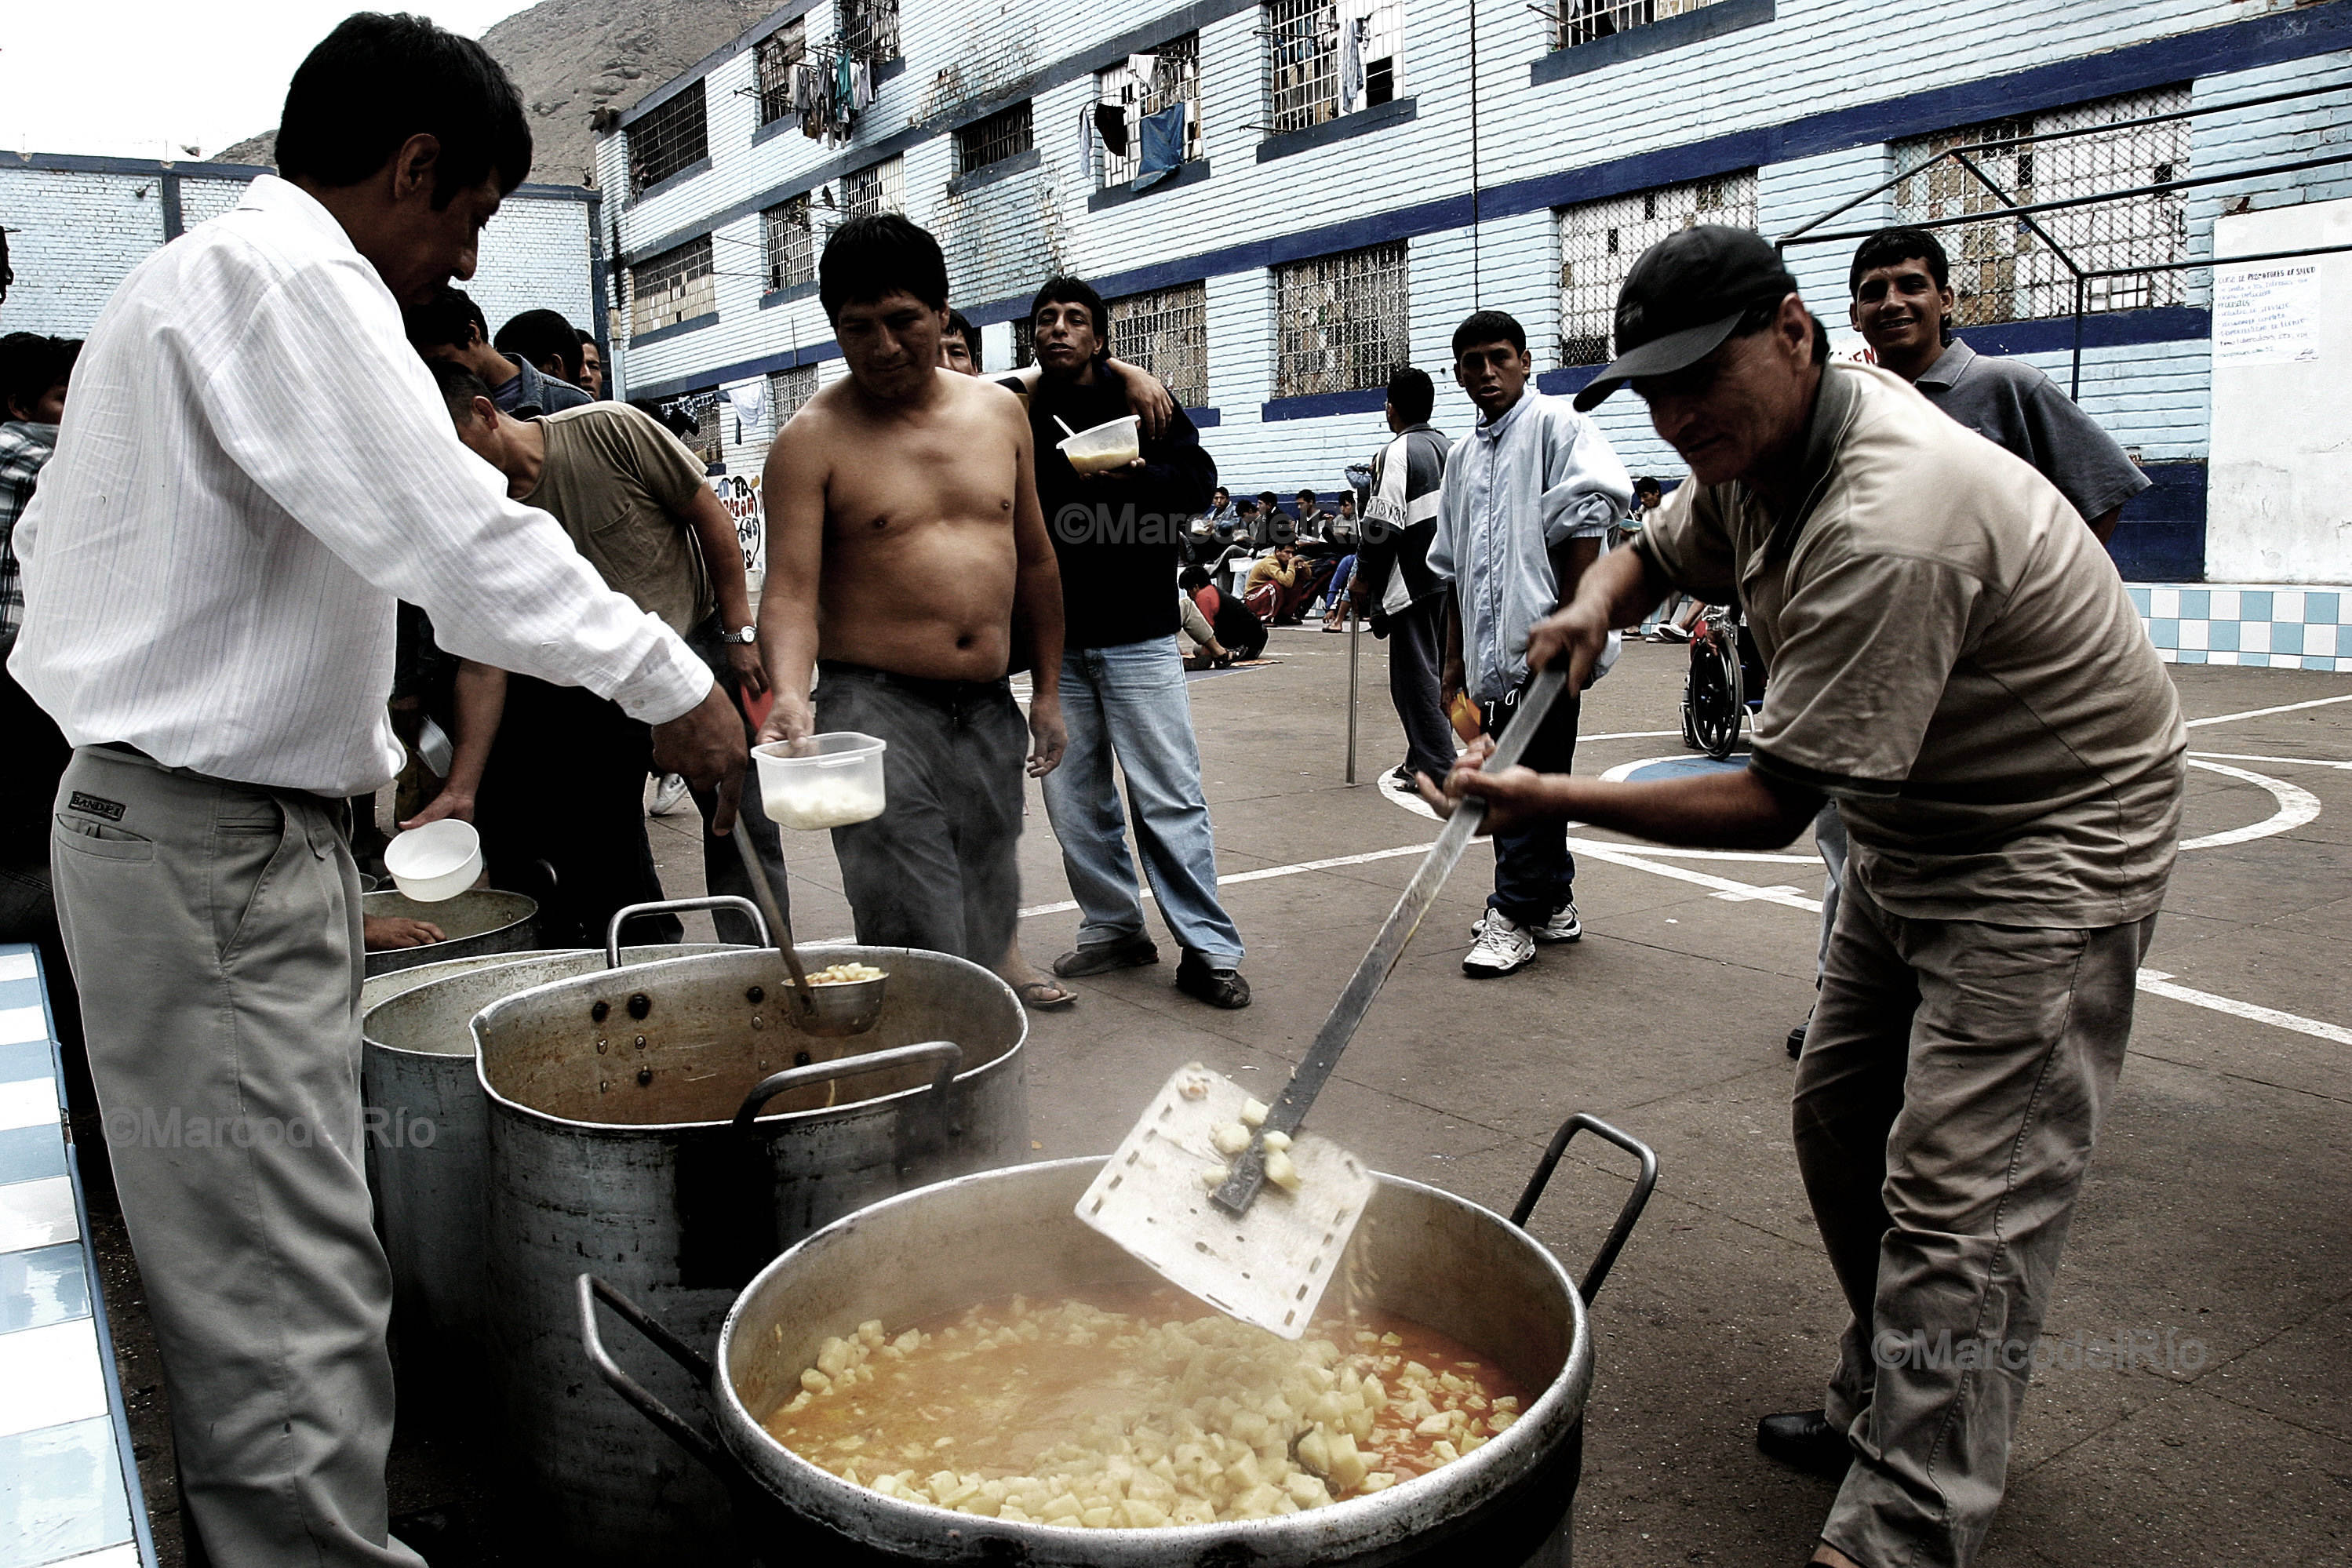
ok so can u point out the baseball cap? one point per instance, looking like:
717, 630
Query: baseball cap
1684, 297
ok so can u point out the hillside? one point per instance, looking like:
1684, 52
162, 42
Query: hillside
571, 57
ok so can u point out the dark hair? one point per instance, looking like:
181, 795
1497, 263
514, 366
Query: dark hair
1646, 483
1764, 318
460, 388
1063, 289
586, 336
1891, 248
959, 326
445, 319
1193, 579
1272, 502
1311, 496
877, 254
1249, 501
1412, 393
1221, 490
1489, 327
539, 336
377, 81
30, 364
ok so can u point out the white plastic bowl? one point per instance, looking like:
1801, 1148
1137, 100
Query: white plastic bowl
1101, 447
822, 781
437, 862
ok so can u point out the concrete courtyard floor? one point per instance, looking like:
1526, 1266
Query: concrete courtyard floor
2213, 1231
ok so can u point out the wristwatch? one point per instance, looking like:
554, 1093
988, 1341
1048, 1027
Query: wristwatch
749, 634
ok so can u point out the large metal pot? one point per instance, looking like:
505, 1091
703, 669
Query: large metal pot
481, 920
428, 1149
1428, 1255
666, 1124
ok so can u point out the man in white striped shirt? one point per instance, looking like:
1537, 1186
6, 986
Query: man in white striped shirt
253, 466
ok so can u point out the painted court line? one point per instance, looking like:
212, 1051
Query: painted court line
2156, 983
2291, 761
2266, 712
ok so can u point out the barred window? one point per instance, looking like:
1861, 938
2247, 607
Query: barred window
672, 137
1004, 134
876, 188
694, 418
790, 245
2002, 271
870, 29
1329, 57
1166, 331
676, 286
787, 391
1588, 21
778, 53
1343, 322
1024, 342
1175, 78
1600, 240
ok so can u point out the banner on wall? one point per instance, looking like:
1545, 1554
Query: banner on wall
740, 494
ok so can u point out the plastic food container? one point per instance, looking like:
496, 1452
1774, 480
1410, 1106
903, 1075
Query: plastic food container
1101, 447
821, 780
437, 862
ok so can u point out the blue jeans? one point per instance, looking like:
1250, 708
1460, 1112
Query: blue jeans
1127, 704
1340, 580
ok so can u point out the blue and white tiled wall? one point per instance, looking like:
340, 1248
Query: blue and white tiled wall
68, 1492
2270, 628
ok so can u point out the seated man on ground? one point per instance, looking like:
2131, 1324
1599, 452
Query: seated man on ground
904, 537
1278, 586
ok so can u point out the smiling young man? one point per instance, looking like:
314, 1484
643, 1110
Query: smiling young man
1952, 659
1524, 511
903, 536
253, 469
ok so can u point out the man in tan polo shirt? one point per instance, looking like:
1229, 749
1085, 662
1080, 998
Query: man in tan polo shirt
1952, 659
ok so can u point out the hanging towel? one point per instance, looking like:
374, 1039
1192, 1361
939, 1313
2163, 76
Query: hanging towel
749, 401
1110, 119
1140, 67
1086, 146
1351, 63
845, 87
1163, 146
862, 85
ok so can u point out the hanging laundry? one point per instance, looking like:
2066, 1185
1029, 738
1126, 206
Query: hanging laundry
749, 401
1111, 120
844, 89
1352, 37
1086, 146
1140, 67
1162, 139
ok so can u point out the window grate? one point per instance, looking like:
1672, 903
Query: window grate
1590, 21
1175, 78
672, 137
870, 29
2002, 271
1599, 242
1329, 57
1343, 321
787, 391
1166, 331
1007, 133
676, 286
778, 53
1025, 343
876, 188
790, 245
695, 418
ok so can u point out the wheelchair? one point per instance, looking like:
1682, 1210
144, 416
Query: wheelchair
1724, 683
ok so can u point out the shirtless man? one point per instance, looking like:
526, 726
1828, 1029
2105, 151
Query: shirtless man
903, 533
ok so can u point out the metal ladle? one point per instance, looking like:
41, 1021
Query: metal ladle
833, 1011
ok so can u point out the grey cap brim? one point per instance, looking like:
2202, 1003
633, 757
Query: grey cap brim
1658, 356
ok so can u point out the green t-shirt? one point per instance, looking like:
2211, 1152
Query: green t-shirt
613, 477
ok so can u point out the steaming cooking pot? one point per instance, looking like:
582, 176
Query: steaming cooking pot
1437, 1258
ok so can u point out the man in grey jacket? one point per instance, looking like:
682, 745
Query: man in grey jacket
1394, 587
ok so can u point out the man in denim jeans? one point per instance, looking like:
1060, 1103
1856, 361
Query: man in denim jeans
1119, 535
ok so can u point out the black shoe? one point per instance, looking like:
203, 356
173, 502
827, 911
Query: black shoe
1218, 987
1805, 1440
1797, 1036
1099, 957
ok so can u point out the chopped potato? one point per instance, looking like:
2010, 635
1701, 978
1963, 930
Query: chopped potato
1280, 1171
843, 973
1229, 1138
1253, 1113
1276, 1143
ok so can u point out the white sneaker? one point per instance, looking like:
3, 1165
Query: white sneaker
667, 794
1563, 926
1504, 947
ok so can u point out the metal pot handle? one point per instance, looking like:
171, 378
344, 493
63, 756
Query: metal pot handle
677, 906
947, 1053
1644, 1185
698, 1365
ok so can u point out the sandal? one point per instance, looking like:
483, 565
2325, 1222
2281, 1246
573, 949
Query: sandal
1046, 996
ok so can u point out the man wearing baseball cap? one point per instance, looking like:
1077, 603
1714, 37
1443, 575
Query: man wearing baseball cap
1952, 659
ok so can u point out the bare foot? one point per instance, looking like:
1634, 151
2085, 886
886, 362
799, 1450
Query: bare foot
1038, 992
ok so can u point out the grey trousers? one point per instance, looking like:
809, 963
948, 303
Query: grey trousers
1946, 1101
1829, 842
1417, 635
215, 934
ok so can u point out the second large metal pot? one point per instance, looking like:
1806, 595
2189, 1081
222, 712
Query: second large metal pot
478, 921
621, 1140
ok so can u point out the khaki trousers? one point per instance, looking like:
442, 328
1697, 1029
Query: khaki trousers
214, 933
1946, 1101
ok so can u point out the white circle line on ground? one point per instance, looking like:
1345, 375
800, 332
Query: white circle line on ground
2296, 807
